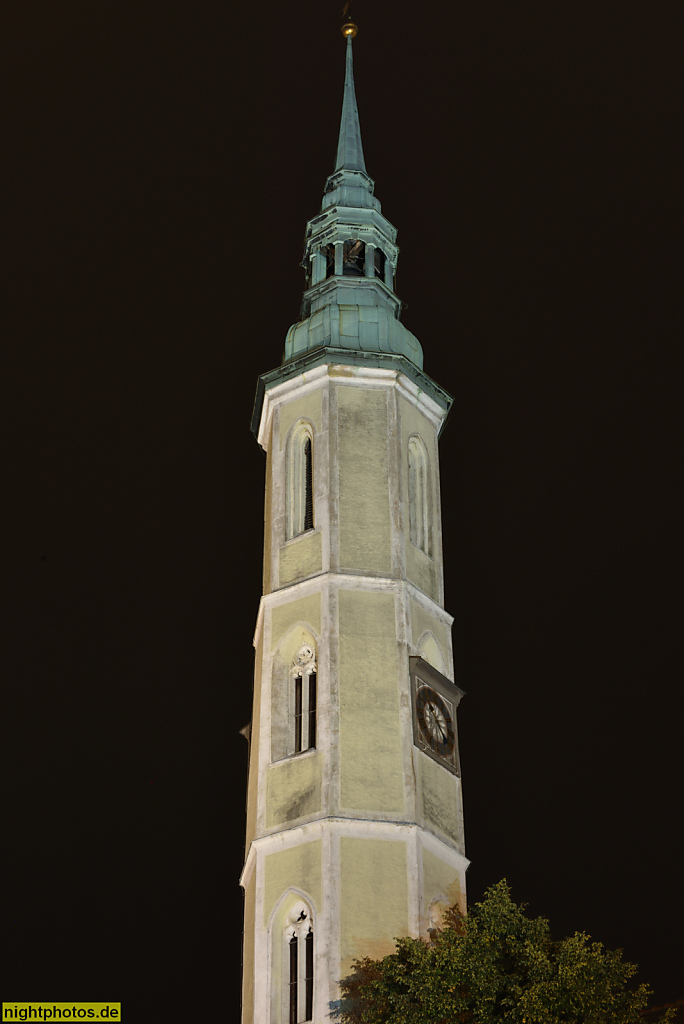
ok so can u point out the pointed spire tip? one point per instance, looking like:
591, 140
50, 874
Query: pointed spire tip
349, 149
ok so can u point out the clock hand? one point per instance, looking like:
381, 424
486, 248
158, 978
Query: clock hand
435, 722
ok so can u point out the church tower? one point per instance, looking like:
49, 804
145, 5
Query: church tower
354, 813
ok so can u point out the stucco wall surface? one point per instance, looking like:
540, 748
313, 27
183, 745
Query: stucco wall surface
297, 867
371, 775
307, 407
293, 788
421, 570
287, 614
373, 897
441, 880
300, 557
425, 620
439, 797
364, 497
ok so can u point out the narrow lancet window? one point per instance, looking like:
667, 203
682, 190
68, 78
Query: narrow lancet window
418, 486
298, 966
309, 979
304, 700
294, 979
308, 485
312, 709
300, 495
298, 714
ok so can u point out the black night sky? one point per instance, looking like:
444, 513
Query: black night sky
162, 161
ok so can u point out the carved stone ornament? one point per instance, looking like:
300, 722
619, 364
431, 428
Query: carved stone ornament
305, 658
298, 914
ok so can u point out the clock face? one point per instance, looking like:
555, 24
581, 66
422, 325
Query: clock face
434, 721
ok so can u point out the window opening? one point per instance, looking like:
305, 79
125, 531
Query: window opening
300, 497
294, 978
379, 264
353, 258
329, 252
304, 697
308, 485
309, 975
312, 709
298, 966
298, 714
418, 494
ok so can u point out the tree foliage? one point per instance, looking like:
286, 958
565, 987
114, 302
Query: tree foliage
494, 965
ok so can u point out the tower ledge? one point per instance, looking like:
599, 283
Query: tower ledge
342, 356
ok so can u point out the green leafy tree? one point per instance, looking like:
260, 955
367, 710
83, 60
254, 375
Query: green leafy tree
494, 965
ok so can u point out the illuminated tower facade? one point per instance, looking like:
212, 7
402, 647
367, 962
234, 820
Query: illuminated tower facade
354, 812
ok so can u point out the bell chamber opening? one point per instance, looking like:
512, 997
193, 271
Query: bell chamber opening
353, 258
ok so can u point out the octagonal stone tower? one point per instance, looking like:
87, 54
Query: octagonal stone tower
354, 811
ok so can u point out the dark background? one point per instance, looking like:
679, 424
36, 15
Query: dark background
162, 161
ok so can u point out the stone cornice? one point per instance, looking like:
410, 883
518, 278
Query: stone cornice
347, 357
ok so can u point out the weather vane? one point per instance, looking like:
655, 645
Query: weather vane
348, 28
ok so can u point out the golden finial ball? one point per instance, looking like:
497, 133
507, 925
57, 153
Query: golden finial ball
350, 29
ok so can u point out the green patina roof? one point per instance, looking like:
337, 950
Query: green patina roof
349, 147
369, 328
350, 319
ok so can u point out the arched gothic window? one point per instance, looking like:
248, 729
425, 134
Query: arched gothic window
300, 503
304, 694
298, 965
294, 694
419, 491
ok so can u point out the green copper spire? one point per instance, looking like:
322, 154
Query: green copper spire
350, 312
349, 147
350, 257
350, 184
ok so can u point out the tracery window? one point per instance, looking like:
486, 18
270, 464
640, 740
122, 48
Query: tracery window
304, 696
298, 964
294, 695
419, 493
300, 501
